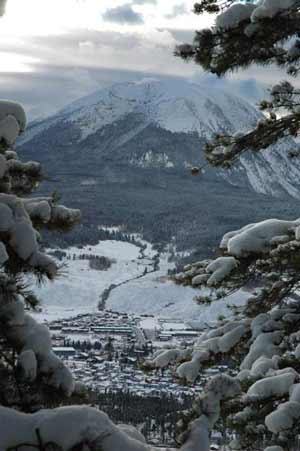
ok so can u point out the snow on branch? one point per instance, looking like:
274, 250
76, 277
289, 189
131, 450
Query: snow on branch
260, 342
258, 29
83, 427
261, 339
245, 33
262, 398
18, 236
262, 255
26, 344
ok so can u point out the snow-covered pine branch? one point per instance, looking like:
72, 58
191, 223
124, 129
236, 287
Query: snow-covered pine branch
243, 25
262, 394
25, 345
264, 254
259, 32
79, 427
260, 342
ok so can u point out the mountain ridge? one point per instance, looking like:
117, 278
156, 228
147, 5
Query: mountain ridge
180, 107
155, 100
122, 155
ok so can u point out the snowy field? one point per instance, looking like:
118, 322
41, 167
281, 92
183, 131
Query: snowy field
79, 289
162, 298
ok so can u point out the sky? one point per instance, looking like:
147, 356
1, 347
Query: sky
55, 51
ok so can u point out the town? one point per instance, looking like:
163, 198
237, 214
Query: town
105, 351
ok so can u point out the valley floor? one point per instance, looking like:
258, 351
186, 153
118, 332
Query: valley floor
141, 311
136, 283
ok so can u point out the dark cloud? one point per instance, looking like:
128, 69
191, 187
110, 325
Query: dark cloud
123, 14
178, 10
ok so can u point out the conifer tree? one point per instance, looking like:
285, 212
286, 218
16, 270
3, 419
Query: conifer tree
25, 348
261, 341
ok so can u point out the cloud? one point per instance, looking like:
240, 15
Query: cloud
65, 67
178, 10
2, 7
123, 15
249, 88
148, 51
182, 35
64, 85
144, 2
87, 60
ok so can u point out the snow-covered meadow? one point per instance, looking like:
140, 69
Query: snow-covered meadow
79, 288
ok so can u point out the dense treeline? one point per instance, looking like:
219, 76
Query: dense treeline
89, 234
156, 416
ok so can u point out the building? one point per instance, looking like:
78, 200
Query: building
164, 336
65, 352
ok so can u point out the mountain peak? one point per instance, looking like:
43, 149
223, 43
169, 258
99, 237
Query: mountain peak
175, 105
157, 123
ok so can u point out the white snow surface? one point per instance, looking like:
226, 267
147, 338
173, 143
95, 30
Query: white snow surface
83, 424
234, 15
259, 237
78, 290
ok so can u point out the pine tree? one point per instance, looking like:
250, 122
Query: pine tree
20, 221
257, 402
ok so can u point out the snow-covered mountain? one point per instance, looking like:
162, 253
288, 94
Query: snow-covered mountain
176, 107
121, 155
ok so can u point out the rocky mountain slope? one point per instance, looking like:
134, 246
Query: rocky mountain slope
122, 154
